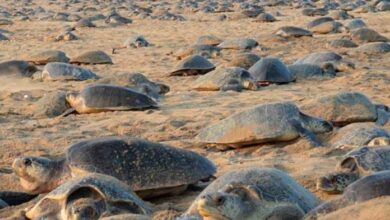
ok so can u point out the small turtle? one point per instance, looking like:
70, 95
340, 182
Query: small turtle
82, 23
105, 97
320, 58
65, 71
17, 67
358, 134
15, 198
208, 40
347, 107
138, 82
342, 43
239, 44
66, 36
117, 19
244, 60
206, 51
271, 70
356, 164
340, 15
88, 198
51, 105
310, 71
356, 24
254, 194
315, 11
136, 41
193, 65
133, 161
92, 57
47, 56
372, 48
235, 79
291, 31
365, 35
366, 188
265, 17
280, 121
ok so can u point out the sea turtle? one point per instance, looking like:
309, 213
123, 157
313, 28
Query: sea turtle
136, 41
64, 71
47, 56
132, 161
138, 82
19, 68
347, 107
264, 17
342, 43
311, 71
318, 21
11, 198
372, 48
322, 57
244, 60
51, 105
83, 23
253, 193
366, 188
88, 198
315, 11
357, 163
327, 27
383, 6
193, 65
291, 31
355, 24
206, 51
106, 97
358, 134
340, 15
365, 35
235, 79
92, 57
271, 70
117, 19
208, 40
278, 121
66, 36
239, 44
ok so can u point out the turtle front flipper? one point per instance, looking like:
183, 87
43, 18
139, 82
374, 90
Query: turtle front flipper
286, 212
383, 115
15, 198
68, 112
305, 133
325, 208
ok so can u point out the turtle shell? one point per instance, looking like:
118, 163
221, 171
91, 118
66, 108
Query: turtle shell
244, 60
291, 31
208, 40
17, 67
84, 23
356, 24
318, 21
274, 185
111, 97
92, 57
365, 35
193, 65
340, 43
136, 41
271, 70
358, 134
48, 56
304, 71
342, 108
141, 164
263, 123
65, 71
239, 44
265, 17
319, 58
373, 48
110, 189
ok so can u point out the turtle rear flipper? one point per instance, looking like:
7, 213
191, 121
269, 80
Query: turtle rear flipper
68, 112
383, 115
305, 133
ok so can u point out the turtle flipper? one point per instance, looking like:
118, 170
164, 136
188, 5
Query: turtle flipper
68, 112
383, 115
286, 212
304, 133
15, 198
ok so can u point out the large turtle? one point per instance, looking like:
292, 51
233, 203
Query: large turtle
106, 97
279, 121
271, 70
357, 163
253, 194
151, 169
365, 35
91, 57
356, 24
193, 65
206, 51
358, 134
19, 68
323, 57
342, 43
347, 107
235, 78
65, 71
239, 44
208, 40
291, 31
310, 71
366, 188
88, 198
244, 60
47, 56
51, 105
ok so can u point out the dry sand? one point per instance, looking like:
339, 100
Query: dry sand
21, 134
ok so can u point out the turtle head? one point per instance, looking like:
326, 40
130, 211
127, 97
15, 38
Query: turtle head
335, 183
234, 202
37, 174
316, 125
72, 98
328, 69
83, 209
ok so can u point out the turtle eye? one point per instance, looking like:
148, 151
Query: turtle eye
27, 162
219, 200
